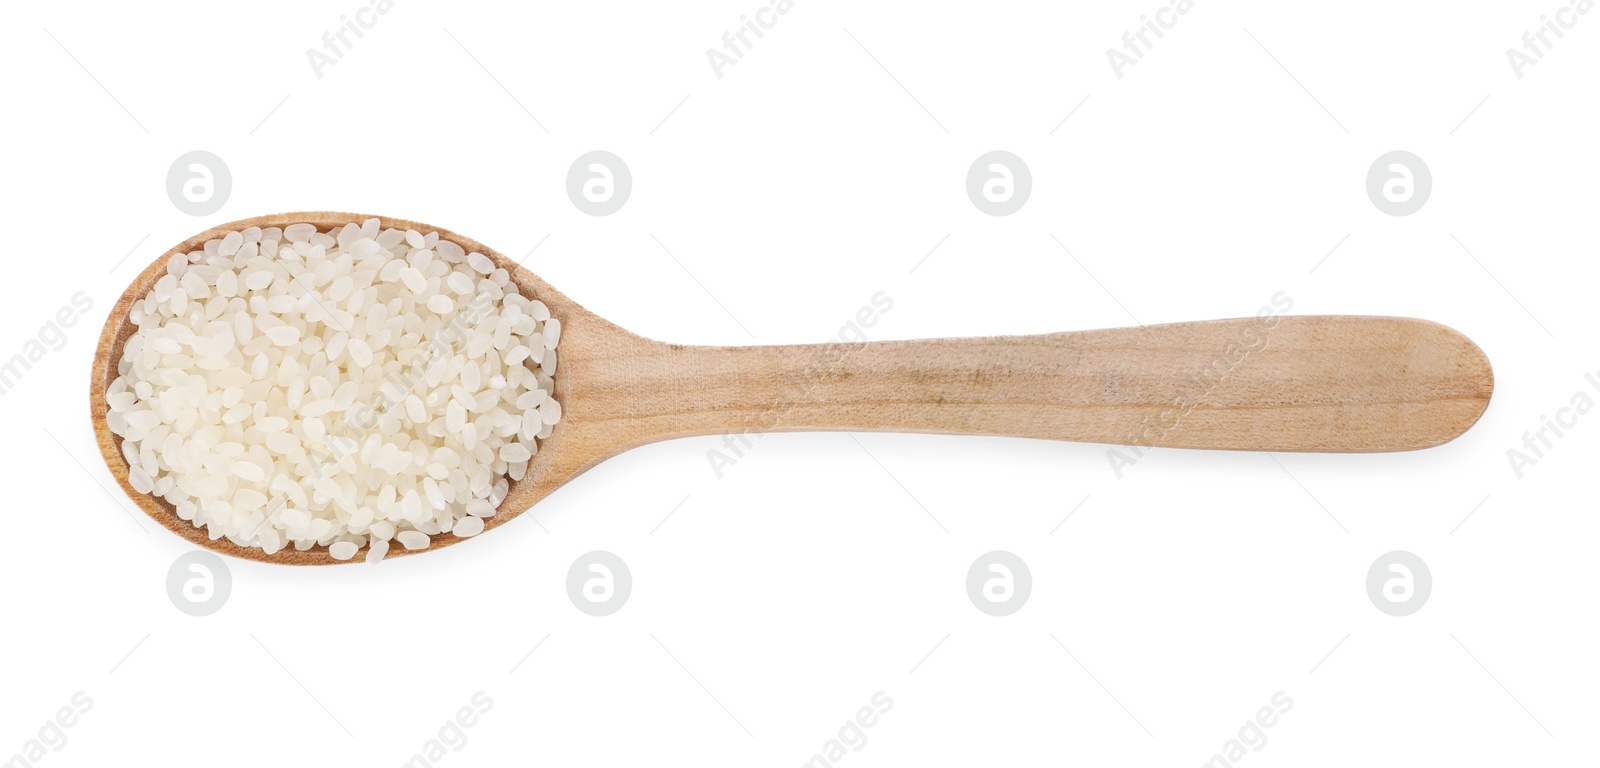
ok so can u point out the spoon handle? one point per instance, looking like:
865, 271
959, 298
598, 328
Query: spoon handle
1307, 383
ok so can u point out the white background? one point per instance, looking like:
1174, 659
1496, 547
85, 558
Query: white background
775, 601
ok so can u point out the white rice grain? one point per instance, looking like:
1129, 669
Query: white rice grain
349, 388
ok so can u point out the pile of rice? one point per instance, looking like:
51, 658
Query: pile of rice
349, 388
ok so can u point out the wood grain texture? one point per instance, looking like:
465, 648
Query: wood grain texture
1329, 383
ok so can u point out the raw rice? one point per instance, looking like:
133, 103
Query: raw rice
346, 389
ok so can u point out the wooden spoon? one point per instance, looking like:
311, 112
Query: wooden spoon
1313, 383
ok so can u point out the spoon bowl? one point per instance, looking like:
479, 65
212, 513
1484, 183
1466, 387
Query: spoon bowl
1335, 384
580, 328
